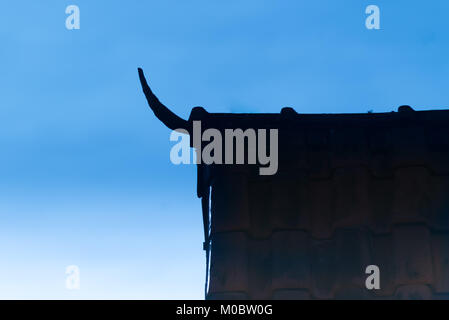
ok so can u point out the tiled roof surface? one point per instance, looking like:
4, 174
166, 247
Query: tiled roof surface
351, 191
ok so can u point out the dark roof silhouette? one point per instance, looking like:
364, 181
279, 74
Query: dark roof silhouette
352, 190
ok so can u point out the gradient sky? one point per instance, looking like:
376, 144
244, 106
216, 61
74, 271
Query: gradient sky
85, 175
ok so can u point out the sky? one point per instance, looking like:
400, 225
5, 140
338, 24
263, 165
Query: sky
85, 173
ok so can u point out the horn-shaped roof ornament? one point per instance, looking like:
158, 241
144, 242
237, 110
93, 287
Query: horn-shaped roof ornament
164, 114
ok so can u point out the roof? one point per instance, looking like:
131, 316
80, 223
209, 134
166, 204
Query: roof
351, 190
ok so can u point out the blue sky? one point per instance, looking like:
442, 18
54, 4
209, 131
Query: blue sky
85, 175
